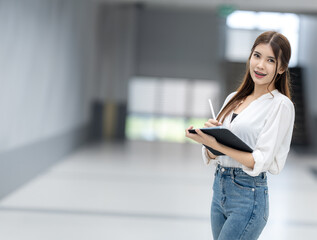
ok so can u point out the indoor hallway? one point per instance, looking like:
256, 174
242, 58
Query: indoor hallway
146, 191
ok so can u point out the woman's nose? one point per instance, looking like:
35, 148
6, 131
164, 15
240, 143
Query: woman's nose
260, 64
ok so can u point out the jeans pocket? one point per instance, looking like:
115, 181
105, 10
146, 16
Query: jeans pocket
244, 182
266, 205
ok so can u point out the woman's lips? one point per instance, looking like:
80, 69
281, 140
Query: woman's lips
259, 74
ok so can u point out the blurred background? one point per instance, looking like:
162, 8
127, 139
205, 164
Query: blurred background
94, 99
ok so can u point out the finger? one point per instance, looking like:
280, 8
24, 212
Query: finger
199, 132
194, 137
187, 131
200, 136
205, 138
213, 121
208, 124
190, 127
203, 135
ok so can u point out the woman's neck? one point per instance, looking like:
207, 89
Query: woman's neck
259, 91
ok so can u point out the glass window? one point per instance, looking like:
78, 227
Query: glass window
245, 26
159, 109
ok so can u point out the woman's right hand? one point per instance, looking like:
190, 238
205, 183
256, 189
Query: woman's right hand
212, 123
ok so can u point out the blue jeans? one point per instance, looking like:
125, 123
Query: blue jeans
240, 204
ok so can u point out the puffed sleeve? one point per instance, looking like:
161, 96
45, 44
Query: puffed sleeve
206, 158
274, 140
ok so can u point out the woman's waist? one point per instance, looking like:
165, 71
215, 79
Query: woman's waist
227, 161
237, 172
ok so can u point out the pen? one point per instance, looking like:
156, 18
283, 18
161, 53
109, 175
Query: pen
212, 109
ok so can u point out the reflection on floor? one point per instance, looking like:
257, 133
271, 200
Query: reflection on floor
146, 191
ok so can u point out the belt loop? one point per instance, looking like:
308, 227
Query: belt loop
217, 168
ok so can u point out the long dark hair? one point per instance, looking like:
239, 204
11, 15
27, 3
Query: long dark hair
282, 50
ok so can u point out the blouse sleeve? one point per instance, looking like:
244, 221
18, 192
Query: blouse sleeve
206, 158
274, 140
204, 154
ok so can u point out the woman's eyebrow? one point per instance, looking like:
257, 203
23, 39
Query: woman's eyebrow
261, 54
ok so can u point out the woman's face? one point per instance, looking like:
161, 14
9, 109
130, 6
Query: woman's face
263, 65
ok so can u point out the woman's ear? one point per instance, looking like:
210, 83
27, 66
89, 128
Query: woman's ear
281, 70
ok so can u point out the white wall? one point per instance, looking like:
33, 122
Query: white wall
47, 68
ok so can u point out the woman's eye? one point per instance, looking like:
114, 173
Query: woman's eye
271, 61
256, 55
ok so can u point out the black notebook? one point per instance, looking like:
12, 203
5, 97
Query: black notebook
226, 137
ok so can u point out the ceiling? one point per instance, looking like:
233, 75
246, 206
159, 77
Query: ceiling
296, 6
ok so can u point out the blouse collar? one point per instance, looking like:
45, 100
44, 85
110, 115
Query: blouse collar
269, 94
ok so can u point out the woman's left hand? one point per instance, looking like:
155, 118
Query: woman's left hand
201, 137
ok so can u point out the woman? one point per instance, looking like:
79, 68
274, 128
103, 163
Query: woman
261, 113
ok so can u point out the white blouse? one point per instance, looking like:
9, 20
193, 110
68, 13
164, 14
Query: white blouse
266, 125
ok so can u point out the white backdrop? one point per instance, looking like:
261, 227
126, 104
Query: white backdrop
46, 68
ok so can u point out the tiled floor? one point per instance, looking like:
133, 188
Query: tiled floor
146, 191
